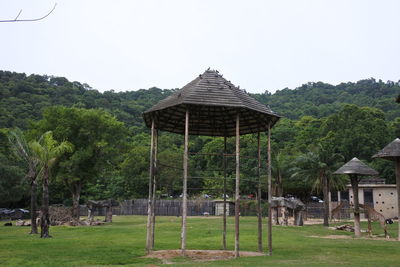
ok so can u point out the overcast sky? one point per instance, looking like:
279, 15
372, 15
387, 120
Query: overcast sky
259, 45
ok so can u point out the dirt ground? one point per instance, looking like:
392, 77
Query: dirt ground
351, 237
199, 255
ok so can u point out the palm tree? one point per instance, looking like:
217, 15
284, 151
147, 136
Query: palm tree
280, 171
317, 166
23, 151
47, 151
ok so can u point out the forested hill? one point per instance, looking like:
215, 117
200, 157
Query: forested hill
24, 97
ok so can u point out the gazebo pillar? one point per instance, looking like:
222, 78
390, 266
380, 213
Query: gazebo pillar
153, 206
269, 193
259, 209
397, 166
185, 176
237, 192
354, 186
149, 236
224, 216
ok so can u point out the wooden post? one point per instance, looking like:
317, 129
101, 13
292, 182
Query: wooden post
397, 162
354, 185
224, 216
153, 214
237, 192
149, 204
269, 193
259, 210
185, 176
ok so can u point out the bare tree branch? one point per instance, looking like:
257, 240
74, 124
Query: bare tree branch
27, 20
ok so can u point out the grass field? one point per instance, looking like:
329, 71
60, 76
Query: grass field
123, 242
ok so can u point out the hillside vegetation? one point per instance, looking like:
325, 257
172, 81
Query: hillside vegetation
320, 120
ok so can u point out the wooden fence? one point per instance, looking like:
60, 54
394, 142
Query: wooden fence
173, 207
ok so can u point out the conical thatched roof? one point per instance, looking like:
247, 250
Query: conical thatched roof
213, 103
390, 152
356, 166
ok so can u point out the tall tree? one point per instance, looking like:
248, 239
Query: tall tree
98, 138
47, 151
24, 152
12, 182
356, 131
317, 166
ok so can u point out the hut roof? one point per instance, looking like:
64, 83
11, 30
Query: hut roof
213, 104
356, 166
390, 152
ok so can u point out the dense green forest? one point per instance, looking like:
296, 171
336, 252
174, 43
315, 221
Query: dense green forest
323, 126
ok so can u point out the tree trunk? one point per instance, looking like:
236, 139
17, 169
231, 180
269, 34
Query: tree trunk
76, 195
326, 199
354, 185
45, 217
34, 229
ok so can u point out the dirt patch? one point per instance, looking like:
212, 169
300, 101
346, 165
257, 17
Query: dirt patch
333, 236
351, 237
199, 255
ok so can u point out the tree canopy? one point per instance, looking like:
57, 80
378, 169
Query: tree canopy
111, 143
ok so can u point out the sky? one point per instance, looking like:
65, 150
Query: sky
258, 45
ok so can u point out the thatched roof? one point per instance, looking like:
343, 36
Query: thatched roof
390, 152
213, 103
356, 166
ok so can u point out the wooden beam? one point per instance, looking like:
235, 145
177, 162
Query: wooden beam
153, 213
224, 216
269, 193
185, 176
237, 191
354, 186
149, 235
259, 210
397, 163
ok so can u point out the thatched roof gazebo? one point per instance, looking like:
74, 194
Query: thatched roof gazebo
354, 168
209, 105
214, 104
392, 152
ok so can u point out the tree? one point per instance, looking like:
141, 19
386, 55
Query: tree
24, 152
98, 138
280, 172
47, 151
12, 181
317, 166
356, 131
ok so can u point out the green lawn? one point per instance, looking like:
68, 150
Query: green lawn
123, 242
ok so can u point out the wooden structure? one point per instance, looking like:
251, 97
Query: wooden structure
392, 152
108, 204
354, 168
209, 105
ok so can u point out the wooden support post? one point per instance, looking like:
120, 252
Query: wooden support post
153, 213
237, 192
185, 176
354, 185
224, 216
259, 210
149, 204
269, 193
397, 162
